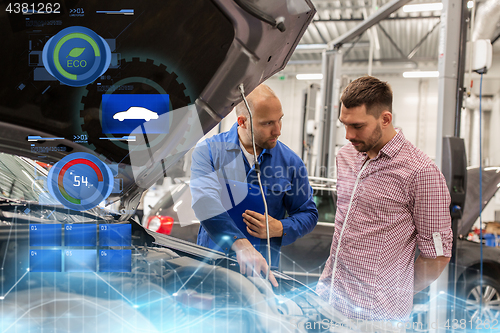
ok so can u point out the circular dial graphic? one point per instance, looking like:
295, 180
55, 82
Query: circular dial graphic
80, 181
76, 56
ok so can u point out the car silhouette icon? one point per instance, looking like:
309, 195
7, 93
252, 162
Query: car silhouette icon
136, 112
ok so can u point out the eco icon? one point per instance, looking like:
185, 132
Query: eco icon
76, 56
76, 52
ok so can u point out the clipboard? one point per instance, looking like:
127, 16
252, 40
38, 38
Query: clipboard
237, 197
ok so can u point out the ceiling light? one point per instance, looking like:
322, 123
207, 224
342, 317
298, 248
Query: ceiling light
311, 46
309, 76
420, 74
423, 7
470, 4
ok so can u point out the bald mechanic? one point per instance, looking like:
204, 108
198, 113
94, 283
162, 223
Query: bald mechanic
391, 198
229, 155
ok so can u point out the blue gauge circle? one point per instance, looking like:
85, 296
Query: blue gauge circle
76, 56
80, 181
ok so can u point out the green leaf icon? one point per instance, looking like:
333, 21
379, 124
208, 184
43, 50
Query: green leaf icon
77, 51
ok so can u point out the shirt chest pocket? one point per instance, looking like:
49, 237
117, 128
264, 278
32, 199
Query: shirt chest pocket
383, 198
276, 190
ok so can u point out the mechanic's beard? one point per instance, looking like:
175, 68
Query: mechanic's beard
368, 145
266, 144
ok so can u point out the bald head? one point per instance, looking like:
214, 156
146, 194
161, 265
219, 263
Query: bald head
259, 94
267, 114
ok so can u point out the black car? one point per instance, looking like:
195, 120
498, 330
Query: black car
160, 75
475, 290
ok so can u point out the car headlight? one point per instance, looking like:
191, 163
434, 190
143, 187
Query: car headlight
160, 224
154, 223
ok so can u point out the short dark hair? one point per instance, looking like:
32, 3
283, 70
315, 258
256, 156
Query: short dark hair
370, 91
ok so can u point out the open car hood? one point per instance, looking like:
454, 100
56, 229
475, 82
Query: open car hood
491, 184
191, 56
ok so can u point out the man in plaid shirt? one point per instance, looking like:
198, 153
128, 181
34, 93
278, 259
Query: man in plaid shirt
391, 198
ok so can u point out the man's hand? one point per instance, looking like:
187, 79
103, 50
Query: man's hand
256, 225
251, 262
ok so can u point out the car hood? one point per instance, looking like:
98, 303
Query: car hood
196, 53
491, 183
172, 285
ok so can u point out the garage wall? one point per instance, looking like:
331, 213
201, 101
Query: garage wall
494, 151
415, 109
290, 93
491, 135
410, 96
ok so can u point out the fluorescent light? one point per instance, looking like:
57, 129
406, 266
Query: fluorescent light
420, 74
423, 7
309, 76
470, 4
311, 46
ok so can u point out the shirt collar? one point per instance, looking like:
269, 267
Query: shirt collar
391, 148
394, 145
233, 137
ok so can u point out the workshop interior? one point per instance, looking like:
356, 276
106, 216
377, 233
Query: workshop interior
102, 107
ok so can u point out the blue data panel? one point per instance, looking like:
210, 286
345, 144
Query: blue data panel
80, 260
115, 260
80, 235
45, 234
115, 235
45, 260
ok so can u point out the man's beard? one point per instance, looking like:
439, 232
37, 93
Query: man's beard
367, 145
263, 144
267, 144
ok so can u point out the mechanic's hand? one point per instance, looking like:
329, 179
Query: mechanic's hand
256, 225
252, 263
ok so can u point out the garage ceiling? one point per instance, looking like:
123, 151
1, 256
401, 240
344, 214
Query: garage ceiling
403, 37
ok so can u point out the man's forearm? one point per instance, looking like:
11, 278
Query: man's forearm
427, 270
298, 225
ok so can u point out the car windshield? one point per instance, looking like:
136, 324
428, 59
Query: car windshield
23, 182
324, 200
20, 179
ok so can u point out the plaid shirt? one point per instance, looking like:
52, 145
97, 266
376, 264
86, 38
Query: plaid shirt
385, 207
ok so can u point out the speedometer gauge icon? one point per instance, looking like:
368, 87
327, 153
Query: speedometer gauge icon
80, 181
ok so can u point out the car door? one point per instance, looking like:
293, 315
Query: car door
305, 258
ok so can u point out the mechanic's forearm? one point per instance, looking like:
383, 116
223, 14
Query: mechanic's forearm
427, 270
276, 230
298, 225
240, 244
